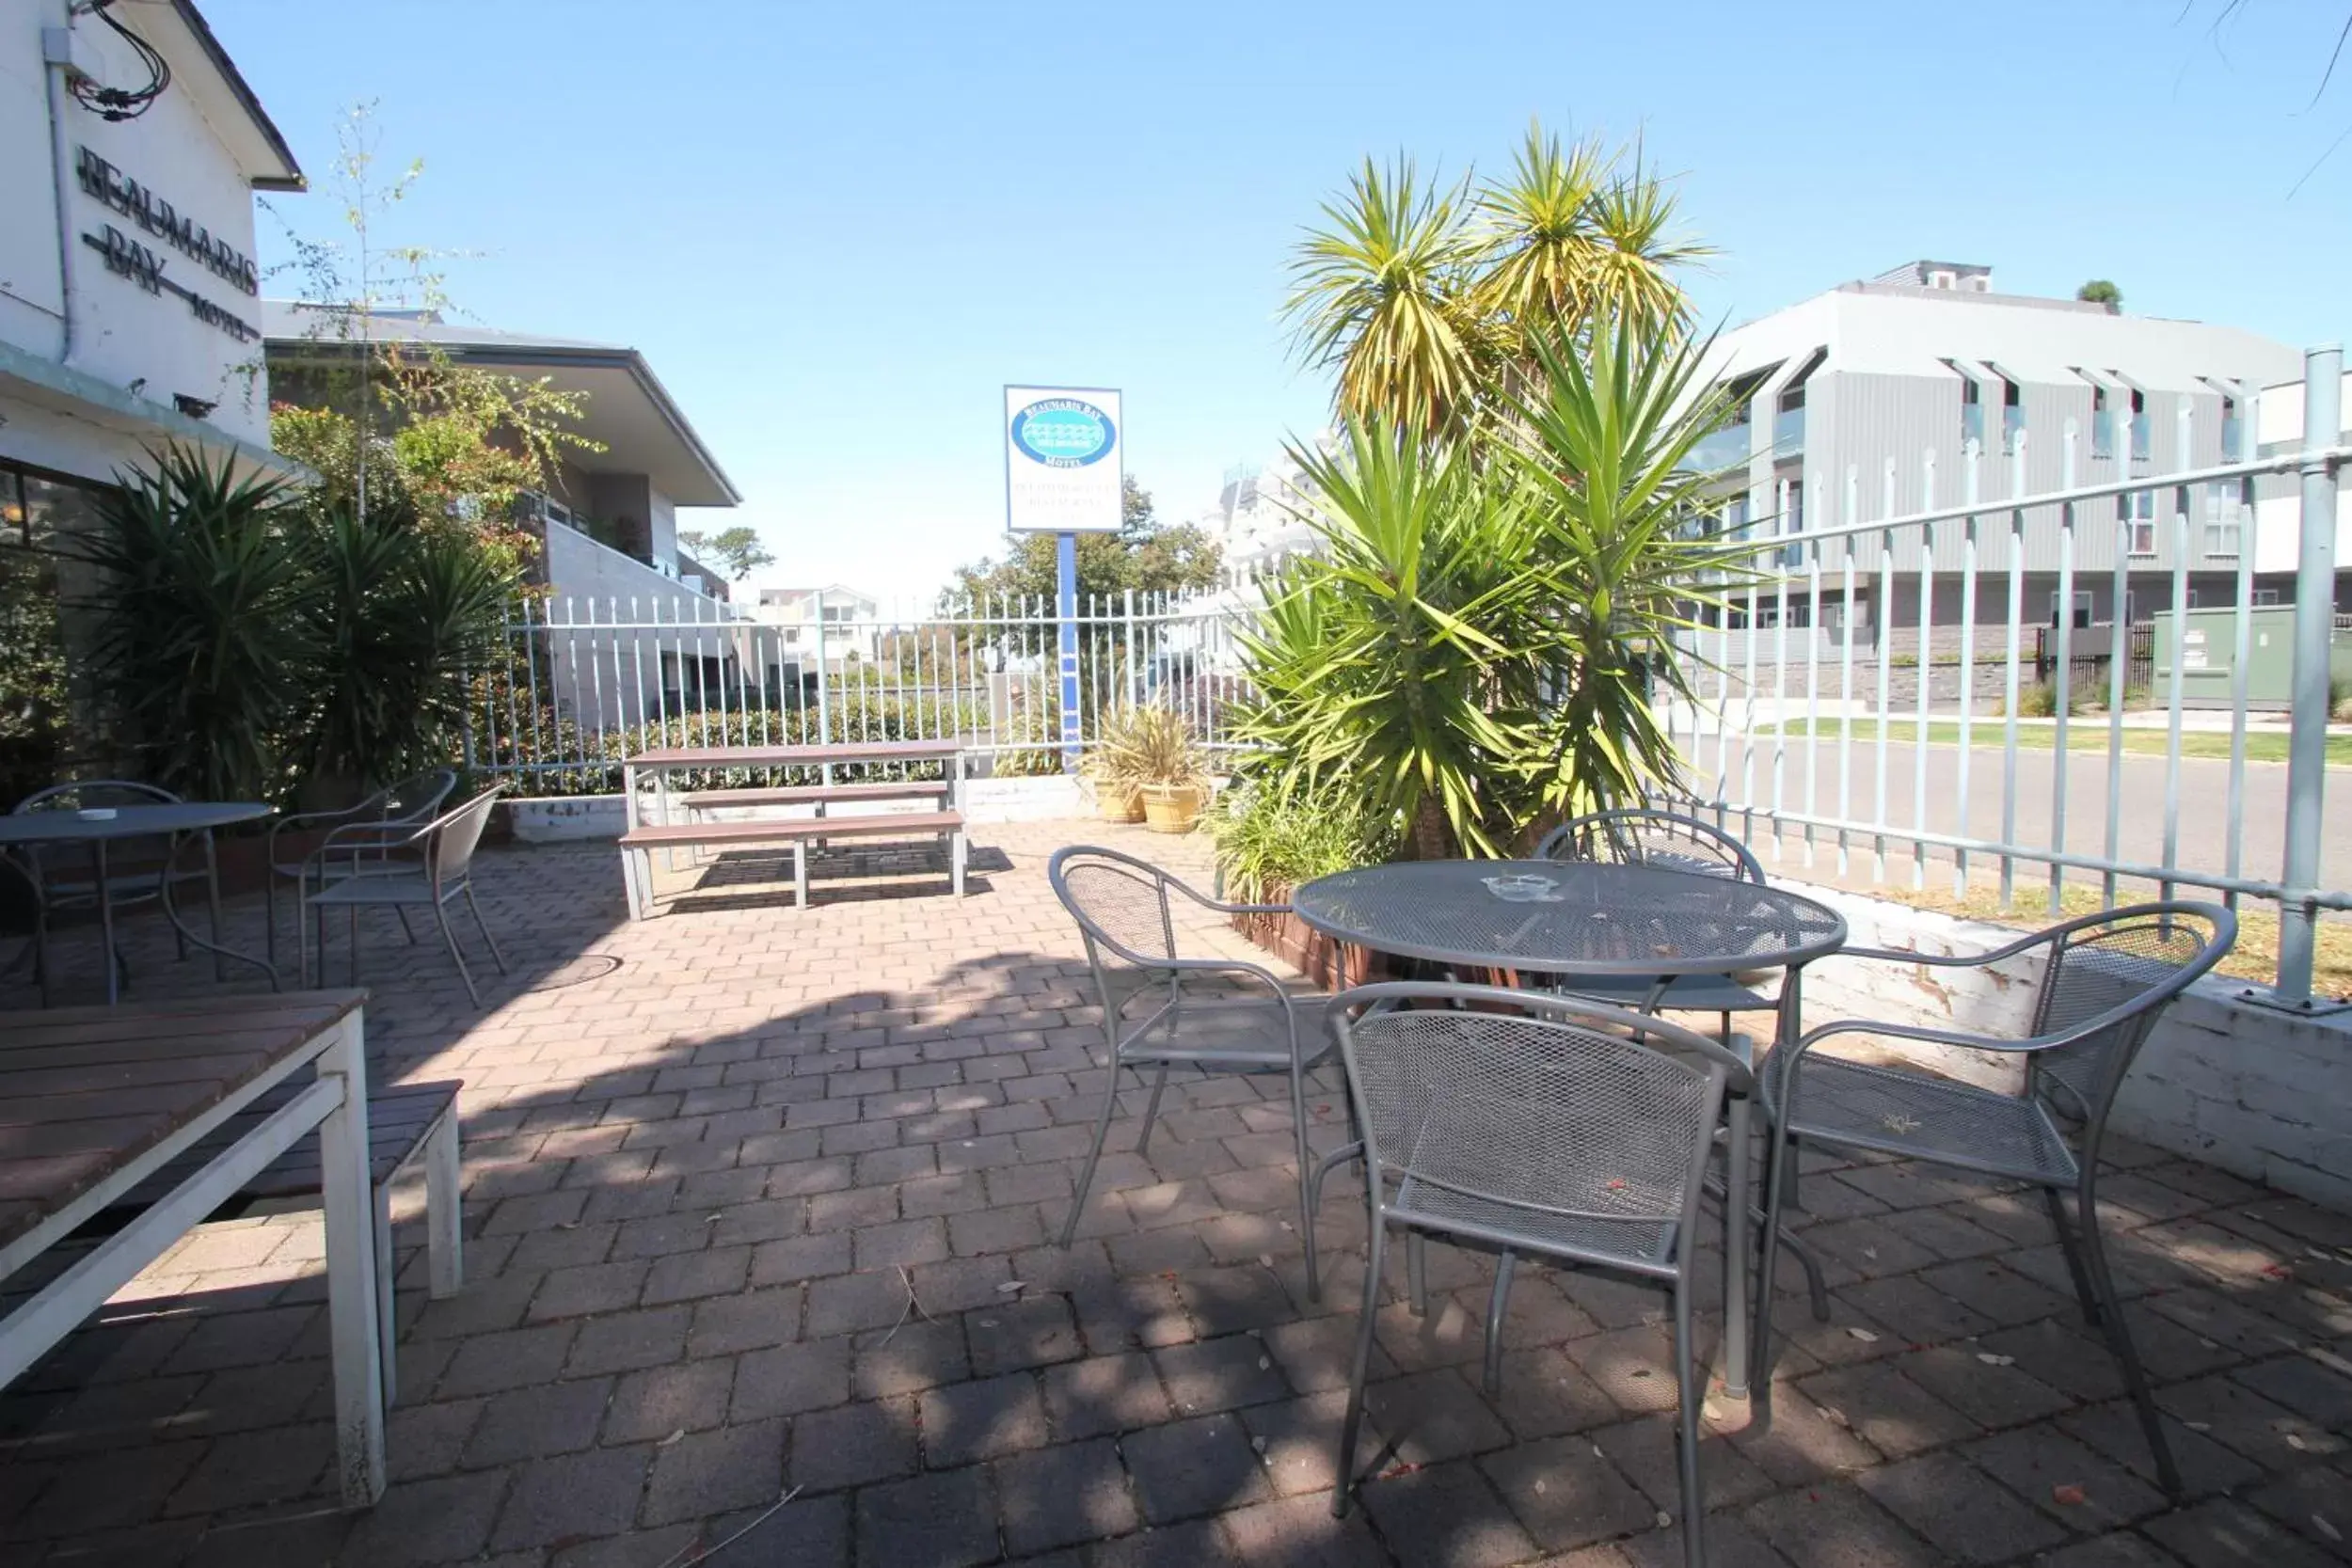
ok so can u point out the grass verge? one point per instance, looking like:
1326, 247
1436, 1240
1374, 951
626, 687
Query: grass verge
2086, 733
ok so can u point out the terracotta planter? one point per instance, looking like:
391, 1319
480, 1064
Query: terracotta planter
1171, 808
1114, 803
1327, 963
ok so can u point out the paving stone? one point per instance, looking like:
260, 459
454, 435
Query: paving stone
911, 1357
685, 1276
554, 1500
744, 1320
1300, 1532
1648, 1451
708, 1472
249, 1469
532, 1423
1958, 1510
1566, 1495
1317, 1354
2315, 1503
1194, 1544
799, 1257
905, 1241
1634, 1367
2111, 1551
1016, 1334
851, 1445
2045, 1466
491, 1362
1059, 1496
623, 1341
1990, 1394
1446, 1514
790, 1379
2113, 1429
1804, 1446
942, 1520
1186, 1468
2227, 1534
1219, 1375
1729, 1541
1103, 1394
983, 1419
1433, 1416
442, 1520
845, 1304
1835, 1526
684, 1396
571, 1292
1893, 1414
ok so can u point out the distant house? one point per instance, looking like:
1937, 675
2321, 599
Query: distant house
850, 621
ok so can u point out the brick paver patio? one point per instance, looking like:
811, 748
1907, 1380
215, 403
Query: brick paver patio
758, 1202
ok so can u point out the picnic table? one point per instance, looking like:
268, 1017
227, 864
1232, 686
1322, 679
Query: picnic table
687, 828
95, 1101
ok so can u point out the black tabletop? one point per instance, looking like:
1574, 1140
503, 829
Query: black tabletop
63, 825
1569, 917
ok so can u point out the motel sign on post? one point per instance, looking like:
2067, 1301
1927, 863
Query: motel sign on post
1063, 476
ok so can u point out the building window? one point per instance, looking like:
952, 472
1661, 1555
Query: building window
2102, 424
2265, 595
2012, 416
2141, 424
2137, 512
2082, 611
2224, 522
2231, 430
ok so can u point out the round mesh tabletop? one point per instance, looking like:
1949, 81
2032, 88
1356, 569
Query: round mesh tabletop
54, 825
1567, 917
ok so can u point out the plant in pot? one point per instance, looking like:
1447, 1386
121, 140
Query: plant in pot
1112, 767
1151, 751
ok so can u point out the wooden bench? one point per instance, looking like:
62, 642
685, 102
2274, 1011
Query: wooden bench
403, 1121
638, 844
821, 795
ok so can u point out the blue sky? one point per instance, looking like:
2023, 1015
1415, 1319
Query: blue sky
838, 230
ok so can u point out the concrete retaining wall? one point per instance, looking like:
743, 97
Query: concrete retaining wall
2255, 1091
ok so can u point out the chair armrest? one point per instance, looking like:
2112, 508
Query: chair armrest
1231, 966
1219, 905
356, 836
312, 818
1947, 961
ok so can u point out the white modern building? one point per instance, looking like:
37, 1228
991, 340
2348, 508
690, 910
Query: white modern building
129, 294
1898, 394
844, 622
1256, 522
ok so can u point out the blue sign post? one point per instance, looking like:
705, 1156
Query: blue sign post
1064, 476
1066, 609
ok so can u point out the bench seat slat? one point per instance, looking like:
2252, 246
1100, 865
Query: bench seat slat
903, 824
799, 794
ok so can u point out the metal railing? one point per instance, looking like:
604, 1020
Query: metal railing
587, 681
1845, 739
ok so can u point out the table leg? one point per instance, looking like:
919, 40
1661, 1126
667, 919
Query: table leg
352, 1303
106, 921
188, 937
1738, 1111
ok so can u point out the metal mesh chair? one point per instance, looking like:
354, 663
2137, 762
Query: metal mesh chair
2107, 979
1538, 1124
408, 804
1667, 842
134, 870
1125, 908
441, 872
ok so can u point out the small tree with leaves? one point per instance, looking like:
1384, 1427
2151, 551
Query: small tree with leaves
737, 550
2100, 291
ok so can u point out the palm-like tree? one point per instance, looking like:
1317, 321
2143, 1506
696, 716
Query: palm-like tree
1424, 298
1380, 295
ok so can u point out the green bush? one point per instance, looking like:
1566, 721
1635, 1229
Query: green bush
1269, 841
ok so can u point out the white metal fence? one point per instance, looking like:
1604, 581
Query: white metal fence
586, 681
1903, 697
1934, 694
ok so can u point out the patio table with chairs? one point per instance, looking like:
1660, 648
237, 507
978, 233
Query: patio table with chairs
1555, 1112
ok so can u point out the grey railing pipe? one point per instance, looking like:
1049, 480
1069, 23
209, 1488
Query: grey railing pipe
2315, 631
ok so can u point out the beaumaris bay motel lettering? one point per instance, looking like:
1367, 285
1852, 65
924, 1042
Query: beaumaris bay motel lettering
126, 256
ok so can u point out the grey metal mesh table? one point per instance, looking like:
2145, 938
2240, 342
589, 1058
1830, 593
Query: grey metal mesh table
170, 821
1596, 920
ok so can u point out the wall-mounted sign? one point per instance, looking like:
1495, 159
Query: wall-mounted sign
127, 256
102, 181
1063, 459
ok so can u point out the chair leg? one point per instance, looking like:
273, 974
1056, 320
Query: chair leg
440, 918
1494, 1306
351, 934
2119, 1336
1417, 1272
444, 1222
1094, 1155
2074, 1269
406, 929
269, 913
483, 927
385, 1337
1351, 1426
1152, 1110
1307, 1183
1687, 1399
211, 898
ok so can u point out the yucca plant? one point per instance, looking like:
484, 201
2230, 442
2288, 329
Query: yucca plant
205, 633
1138, 747
406, 610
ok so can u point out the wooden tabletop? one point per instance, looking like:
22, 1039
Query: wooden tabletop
788, 757
86, 1091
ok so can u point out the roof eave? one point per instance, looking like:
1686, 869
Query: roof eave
291, 179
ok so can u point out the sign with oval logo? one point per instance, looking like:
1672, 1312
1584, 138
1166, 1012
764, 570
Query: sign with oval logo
1061, 451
